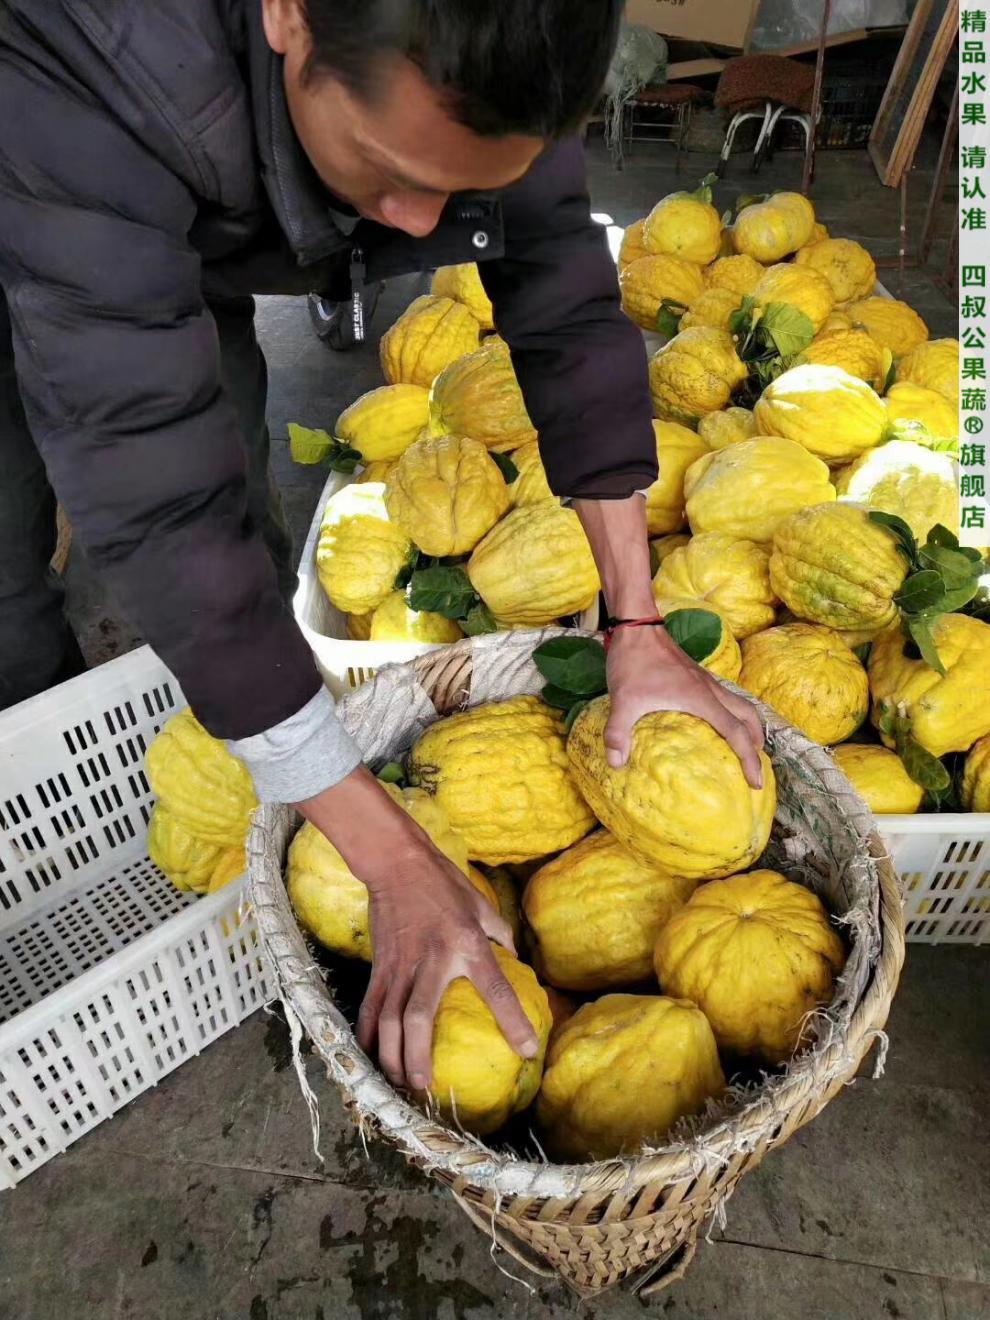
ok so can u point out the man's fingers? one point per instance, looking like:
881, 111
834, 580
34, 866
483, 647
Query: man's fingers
618, 737
739, 737
390, 1035
371, 1007
497, 928
417, 1027
500, 997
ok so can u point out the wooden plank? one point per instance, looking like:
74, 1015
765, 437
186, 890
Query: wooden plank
701, 68
694, 69
697, 20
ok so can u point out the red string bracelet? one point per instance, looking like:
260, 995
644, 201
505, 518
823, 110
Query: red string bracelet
613, 626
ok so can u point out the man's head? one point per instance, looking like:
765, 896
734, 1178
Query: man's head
399, 103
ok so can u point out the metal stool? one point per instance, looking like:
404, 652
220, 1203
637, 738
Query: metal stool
680, 98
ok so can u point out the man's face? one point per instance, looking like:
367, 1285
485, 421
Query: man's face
396, 156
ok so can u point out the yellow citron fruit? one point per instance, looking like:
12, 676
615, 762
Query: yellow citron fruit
739, 274
725, 571
949, 712
725, 661
230, 867
677, 448
383, 423
748, 489
681, 225
650, 281
893, 324
430, 334
500, 773
808, 675
662, 546
479, 1081
595, 913
200, 784
770, 231
330, 902
854, 351
379, 470
713, 308
908, 480
631, 248
919, 414
535, 566
976, 777
831, 564
878, 776
446, 493
478, 395
394, 621
841, 320
799, 287
721, 429
818, 234
756, 953
621, 1072
360, 550
463, 284
847, 266
187, 861
681, 801
531, 485
359, 626
694, 374
833, 414
934, 366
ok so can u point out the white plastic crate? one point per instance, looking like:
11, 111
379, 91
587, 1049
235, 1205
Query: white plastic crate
944, 865
109, 976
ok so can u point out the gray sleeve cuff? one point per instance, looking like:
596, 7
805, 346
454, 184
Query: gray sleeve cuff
297, 759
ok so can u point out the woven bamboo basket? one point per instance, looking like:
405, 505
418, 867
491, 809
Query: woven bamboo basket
631, 1219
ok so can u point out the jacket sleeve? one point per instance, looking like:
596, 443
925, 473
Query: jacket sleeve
581, 363
118, 365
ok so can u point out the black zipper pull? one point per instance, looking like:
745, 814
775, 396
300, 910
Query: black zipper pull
358, 273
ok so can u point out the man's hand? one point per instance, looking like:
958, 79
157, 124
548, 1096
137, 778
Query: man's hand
647, 672
429, 925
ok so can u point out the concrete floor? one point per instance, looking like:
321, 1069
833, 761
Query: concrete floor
204, 1199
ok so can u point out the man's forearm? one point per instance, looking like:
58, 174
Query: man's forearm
616, 532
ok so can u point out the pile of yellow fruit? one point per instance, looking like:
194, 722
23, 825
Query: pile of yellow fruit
652, 959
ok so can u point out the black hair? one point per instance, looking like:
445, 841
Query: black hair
504, 66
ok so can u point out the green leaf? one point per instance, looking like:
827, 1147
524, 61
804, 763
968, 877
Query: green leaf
921, 592
924, 768
697, 632
557, 697
574, 664
906, 538
862, 652
790, 329
955, 569
669, 318
393, 773
309, 446
741, 320
749, 199
890, 376
479, 619
402, 578
507, 468
919, 628
940, 535
442, 589
573, 713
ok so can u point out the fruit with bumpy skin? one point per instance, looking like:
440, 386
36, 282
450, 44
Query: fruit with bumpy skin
933, 365
770, 231
429, 335
535, 566
694, 374
394, 621
379, 470
739, 274
383, 423
713, 308
976, 777
331, 903
748, 489
359, 626
360, 551
621, 1072
681, 801
809, 676
756, 953
505, 896
631, 248
893, 324
501, 774
531, 485
479, 1081
684, 226
230, 867
463, 284
846, 265
799, 287
446, 493
677, 449
854, 351
878, 776
649, 282
187, 861
662, 546
920, 414
725, 571
478, 395
835, 416
721, 429
595, 913
908, 480
725, 661
201, 785
949, 712
831, 564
